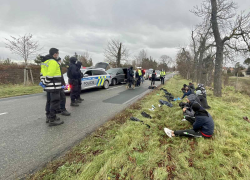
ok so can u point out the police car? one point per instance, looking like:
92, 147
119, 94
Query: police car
93, 77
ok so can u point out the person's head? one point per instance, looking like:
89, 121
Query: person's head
54, 52
184, 85
186, 88
190, 83
191, 98
79, 64
131, 67
73, 60
196, 107
153, 71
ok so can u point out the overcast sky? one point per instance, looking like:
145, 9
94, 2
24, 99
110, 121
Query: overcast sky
158, 26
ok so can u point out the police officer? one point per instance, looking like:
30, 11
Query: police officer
51, 81
140, 76
74, 76
162, 76
79, 99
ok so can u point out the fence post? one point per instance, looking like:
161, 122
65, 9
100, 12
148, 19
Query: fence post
31, 76
24, 76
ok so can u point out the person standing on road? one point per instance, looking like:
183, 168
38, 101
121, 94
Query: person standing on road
140, 76
163, 74
153, 78
62, 110
74, 76
130, 76
137, 77
79, 99
51, 81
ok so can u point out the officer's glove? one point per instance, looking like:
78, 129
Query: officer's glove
42, 85
63, 87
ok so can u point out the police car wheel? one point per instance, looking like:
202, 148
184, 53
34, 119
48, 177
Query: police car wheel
106, 85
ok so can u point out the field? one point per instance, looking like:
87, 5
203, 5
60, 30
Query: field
18, 90
243, 84
123, 149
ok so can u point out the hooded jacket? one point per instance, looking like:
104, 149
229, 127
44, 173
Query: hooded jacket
73, 72
192, 100
50, 74
204, 123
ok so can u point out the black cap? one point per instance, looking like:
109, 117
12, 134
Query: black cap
73, 59
52, 51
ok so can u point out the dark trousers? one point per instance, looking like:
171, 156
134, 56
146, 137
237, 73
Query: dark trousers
74, 92
52, 104
79, 89
130, 82
162, 80
153, 82
62, 100
188, 132
138, 81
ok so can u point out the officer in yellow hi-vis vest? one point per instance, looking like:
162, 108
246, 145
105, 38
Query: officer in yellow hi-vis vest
140, 76
163, 74
51, 81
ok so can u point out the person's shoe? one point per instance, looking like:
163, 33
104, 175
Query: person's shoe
47, 119
183, 120
168, 132
81, 99
65, 113
78, 101
74, 104
54, 122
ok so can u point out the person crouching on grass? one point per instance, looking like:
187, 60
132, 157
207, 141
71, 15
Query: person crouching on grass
202, 127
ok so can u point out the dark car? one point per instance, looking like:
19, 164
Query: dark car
118, 75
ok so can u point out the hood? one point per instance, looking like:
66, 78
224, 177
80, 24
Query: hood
72, 60
192, 97
102, 65
47, 57
79, 64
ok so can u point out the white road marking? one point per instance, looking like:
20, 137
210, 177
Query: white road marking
131, 99
114, 88
3, 113
138, 96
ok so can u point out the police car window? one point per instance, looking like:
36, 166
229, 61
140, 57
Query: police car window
89, 73
98, 72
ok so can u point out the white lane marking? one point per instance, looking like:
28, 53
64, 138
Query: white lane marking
138, 96
114, 88
3, 113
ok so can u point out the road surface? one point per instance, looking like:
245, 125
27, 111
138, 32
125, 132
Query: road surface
28, 143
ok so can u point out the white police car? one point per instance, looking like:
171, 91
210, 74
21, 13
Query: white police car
92, 78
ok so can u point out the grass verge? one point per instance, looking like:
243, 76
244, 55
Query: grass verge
18, 90
123, 149
242, 85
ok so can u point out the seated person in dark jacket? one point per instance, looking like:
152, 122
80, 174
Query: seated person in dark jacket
203, 99
187, 92
188, 112
202, 127
191, 86
183, 89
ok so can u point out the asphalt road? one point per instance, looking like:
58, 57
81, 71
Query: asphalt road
27, 142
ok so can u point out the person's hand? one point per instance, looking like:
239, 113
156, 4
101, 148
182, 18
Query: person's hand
42, 85
184, 109
187, 100
63, 87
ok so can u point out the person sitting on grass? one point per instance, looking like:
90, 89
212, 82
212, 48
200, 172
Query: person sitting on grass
203, 99
202, 127
187, 92
183, 89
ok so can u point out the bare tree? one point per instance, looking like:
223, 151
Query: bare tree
141, 56
165, 59
115, 52
86, 59
226, 27
23, 46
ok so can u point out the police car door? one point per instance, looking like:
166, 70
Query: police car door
99, 79
88, 80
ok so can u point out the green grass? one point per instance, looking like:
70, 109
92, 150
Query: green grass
243, 84
123, 149
18, 90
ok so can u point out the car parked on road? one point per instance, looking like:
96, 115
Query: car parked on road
147, 73
118, 75
92, 78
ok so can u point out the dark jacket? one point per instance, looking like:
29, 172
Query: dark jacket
130, 74
137, 74
192, 100
187, 93
203, 101
153, 76
204, 124
73, 72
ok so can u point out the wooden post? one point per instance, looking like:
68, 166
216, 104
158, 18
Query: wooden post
31, 76
24, 77
236, 87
